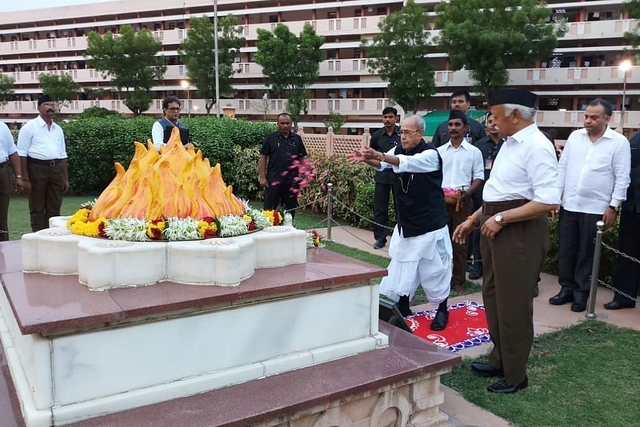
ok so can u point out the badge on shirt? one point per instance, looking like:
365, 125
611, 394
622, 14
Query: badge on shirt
488, 163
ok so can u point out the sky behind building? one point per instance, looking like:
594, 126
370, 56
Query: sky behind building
13, 6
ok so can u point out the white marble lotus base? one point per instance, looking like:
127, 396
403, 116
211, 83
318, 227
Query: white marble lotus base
66, 378
106, 264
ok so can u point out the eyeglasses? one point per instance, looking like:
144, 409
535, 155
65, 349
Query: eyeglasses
407, 132
174, 109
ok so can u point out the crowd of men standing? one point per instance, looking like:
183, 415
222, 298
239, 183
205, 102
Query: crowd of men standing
507, 181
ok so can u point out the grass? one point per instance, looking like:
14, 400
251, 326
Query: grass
584, 375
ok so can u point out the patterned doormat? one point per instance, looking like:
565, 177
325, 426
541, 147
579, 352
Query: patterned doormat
467, 326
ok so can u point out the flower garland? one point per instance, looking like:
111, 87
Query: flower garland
173, 229
314, 239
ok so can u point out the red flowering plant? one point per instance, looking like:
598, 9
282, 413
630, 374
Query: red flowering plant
302, 172
155, 229
207, 227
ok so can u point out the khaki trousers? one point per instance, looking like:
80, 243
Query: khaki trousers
47, 190
512, 262
459, 251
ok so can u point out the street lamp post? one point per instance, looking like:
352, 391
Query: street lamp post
185, 85
624, 66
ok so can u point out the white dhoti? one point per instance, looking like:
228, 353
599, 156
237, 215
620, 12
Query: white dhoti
425, 259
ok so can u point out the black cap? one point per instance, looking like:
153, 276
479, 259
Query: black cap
513, 96
457, 114
43, 99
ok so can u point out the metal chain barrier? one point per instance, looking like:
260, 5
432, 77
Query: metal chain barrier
596, 269
360, 216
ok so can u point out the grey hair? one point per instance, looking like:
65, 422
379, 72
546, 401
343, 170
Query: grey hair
526, 113
416, 120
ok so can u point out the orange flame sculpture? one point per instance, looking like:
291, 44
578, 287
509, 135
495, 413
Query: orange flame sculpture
177, 183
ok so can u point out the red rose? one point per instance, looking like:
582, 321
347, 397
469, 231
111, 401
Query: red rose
208, 219
101, 232
209, 234
252, 226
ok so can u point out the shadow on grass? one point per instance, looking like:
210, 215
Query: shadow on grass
584, 375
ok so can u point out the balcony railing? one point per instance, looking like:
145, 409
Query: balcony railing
255, 108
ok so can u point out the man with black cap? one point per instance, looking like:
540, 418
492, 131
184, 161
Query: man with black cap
43, 156
462, 172
420, 247
461, 101
521, 191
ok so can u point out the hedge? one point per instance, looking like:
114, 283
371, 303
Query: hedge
95, 144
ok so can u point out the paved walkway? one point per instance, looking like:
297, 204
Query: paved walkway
546, 318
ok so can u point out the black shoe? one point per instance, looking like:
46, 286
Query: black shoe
579, 306
440, 321
404, 306
476, 271
486, 370
615, 305
536, 291
562, 298
380, 243
502, 387
469, 268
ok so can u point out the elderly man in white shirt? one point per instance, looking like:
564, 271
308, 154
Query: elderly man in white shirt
593, 176
517, 197
463, 171
43, 158
8, 154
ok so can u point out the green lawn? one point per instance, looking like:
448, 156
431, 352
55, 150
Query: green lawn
585, 375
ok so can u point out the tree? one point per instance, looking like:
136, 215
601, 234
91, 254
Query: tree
6, 88
335, 121
197, 52
290, 64
132, 62
61, 88
488, 36
633, 8
399, 54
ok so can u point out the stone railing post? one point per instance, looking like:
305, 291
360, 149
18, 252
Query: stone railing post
366, 138
329, 150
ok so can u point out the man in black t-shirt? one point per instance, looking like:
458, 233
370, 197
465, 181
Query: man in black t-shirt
279, 150
383, 140
460, 100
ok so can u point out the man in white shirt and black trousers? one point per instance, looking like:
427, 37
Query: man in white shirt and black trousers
593, 176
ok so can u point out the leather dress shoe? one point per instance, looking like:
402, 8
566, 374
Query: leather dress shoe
536, 291
579, 306
486, 370
380, 243
615, 305
563, 297
476, 271
502, 387
440, 321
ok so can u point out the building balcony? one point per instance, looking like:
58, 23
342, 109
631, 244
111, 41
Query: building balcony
545, 76
361, 109
325, 27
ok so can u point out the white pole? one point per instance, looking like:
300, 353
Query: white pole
215, 46
624, 101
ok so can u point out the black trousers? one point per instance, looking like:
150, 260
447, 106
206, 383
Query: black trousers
627, 273
576, 234
280, 194
5, 195
381, 209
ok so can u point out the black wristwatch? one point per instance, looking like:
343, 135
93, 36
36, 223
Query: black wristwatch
613, 209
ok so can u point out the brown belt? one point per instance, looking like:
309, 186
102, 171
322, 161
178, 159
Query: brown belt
50, 163
492, 208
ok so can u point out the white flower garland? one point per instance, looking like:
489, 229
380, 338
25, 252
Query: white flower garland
232, 226
131, 229
181, 229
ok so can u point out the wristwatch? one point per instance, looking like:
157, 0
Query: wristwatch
382, 157
613, 209
498, 219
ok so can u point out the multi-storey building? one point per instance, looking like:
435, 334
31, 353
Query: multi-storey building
585, 64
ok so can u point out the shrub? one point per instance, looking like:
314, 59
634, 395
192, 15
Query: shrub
243, 173
348, 180
364, 205
95, 144
97, 112
607, 261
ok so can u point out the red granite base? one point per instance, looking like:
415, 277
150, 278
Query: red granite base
279, 397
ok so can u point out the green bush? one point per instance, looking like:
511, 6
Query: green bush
348, 180
97, 112
607, 261
364, 205
95, 144
243, 173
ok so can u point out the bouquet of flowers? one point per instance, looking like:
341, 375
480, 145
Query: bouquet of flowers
314, 239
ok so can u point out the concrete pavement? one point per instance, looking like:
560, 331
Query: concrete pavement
546, 317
